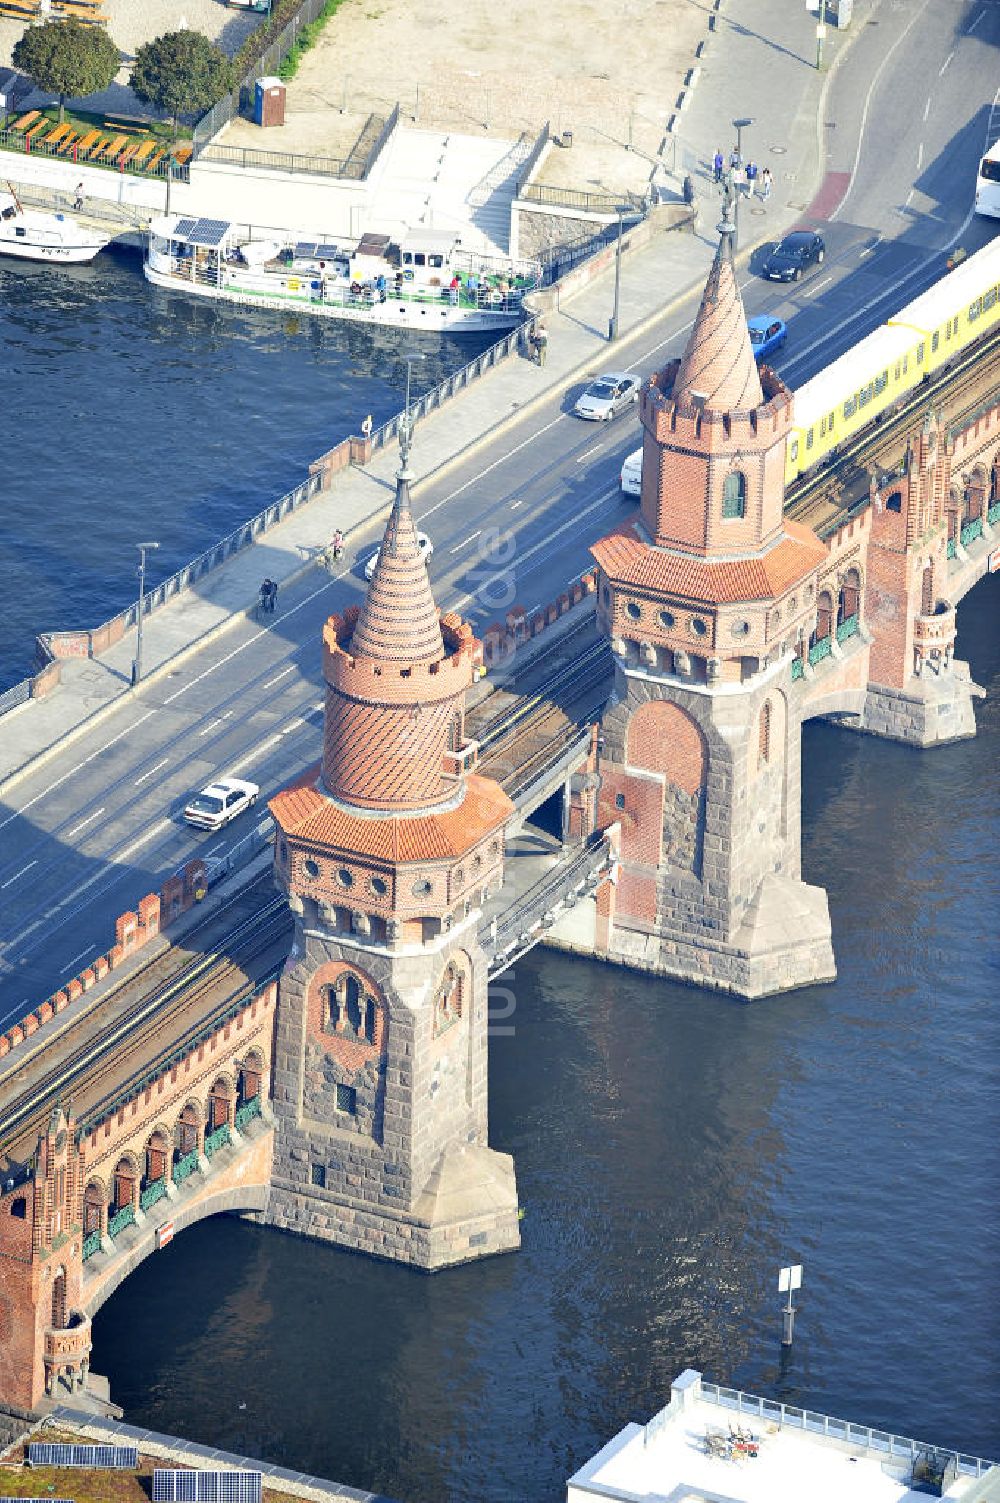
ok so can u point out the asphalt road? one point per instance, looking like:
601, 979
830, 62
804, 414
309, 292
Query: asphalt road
94, 831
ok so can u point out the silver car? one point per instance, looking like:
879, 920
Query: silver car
608, 396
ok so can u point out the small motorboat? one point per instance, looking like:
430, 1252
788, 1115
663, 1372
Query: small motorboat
38, 235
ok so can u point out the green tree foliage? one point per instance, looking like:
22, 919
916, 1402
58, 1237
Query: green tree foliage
181, 73
68, 59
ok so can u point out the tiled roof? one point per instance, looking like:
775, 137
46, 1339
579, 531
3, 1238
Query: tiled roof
628, 559
399, 620
308, 815
718, 362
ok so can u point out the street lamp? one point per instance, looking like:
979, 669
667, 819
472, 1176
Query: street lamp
406, 427
739, 126
613, 322
820, 32
137, 665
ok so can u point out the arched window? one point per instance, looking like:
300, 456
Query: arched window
894, 501
125, 1178
734, 495
218, 1106
19, 1208
59, 1301
93, 1201
448, 1002
187, 1133
824, 617
764, 735
849, 598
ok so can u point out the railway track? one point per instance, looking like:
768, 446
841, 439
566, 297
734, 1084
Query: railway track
515, 716
811, 498
106, 1050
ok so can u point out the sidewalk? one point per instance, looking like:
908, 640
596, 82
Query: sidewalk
653, 281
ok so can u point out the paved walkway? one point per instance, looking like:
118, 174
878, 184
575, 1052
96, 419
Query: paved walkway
654, 280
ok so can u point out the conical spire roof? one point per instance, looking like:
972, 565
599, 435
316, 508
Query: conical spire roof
399, 620
718, 365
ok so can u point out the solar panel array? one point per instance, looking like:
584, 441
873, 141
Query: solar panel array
201, 231
60, 1453
308, 250
47, 1500
175, 1486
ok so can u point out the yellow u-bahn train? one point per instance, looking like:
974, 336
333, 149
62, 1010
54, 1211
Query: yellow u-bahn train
922, 337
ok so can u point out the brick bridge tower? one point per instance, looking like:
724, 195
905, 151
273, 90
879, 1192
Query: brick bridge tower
380, 1087
702, 593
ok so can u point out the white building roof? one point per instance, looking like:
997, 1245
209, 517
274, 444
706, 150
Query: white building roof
800, 1455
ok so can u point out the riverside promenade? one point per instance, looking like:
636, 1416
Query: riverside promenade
658, 282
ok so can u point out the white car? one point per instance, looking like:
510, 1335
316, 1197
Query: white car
220, 803
423, 543
609, 395
630, 479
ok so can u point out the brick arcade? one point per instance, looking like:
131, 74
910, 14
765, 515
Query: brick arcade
349, 1102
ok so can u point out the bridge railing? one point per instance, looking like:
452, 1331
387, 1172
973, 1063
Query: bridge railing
522, 925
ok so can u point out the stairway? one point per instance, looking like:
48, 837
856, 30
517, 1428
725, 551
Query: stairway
439, 181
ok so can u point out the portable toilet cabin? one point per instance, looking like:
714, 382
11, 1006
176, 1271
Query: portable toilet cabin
269, 102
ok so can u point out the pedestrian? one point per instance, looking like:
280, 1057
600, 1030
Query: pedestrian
272, 596
766, 183
735, 160
541, 341
718, 162
751, 179
366, 426
78, 197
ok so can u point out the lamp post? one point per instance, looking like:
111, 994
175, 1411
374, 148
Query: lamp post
739, 126
137, 665
406, 426
613, 321
820, 32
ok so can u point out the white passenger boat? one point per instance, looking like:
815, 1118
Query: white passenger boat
35, 235
423, 281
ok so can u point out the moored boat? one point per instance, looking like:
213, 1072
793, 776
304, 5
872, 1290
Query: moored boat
37, 235
424, 280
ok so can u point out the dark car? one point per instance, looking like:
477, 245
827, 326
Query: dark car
793, 255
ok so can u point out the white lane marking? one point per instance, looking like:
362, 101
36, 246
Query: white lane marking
466, 541
24, 932
920, 156
79, 766
272, 681
515, 504
292, 725
149, 774
491, 467
868, 99
973, 24
927, 107
116, 856
214, 848
77, 958
908, 199
587, 453
84, 823
945, 63
574, 521
10, 880
825, 283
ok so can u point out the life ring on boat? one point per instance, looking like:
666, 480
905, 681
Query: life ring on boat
408, 275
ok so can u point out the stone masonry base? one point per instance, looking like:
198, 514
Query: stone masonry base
469, 1210
931, 709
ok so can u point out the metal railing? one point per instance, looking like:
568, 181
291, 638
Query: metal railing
120, 1220
971, 531
798, 669
820, 650
381, 141
882, 1442
952, 549
993, 515
523, 924
501, 171
247, 1112
220, 1138
449, 387
278, 161
587, 203
532, 159
17, 694
13, 140
152, 1193
185, 1166
849, 627
91, 1245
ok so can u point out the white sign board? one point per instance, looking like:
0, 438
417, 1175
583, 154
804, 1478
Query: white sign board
790, 1278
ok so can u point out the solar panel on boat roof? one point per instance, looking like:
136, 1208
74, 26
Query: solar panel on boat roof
59, 1453
172, 1485
184, 226
209, 231
327, 252
305, 249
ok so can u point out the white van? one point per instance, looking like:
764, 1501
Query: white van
631, 475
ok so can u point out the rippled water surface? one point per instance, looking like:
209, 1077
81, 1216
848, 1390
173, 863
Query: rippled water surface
672, 1149
130, 413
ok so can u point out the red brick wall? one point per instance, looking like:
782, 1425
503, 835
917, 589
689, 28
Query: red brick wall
663, 738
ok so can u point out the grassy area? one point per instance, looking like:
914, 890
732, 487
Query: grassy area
48, 1482
85, 120
307, 37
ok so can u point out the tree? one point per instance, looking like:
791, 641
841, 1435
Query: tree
181, 73
68, 59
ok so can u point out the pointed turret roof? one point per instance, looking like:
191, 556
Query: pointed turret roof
399, 620
718, 366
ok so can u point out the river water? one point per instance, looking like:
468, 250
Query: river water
133, 413
673, 1148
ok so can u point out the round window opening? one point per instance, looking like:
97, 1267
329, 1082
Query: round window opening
633, 610
741, 628
311, 867
422, 889
345, 878
699, 627
668, 619
379, 886
792, 604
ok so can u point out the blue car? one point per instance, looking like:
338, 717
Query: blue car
767, 334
